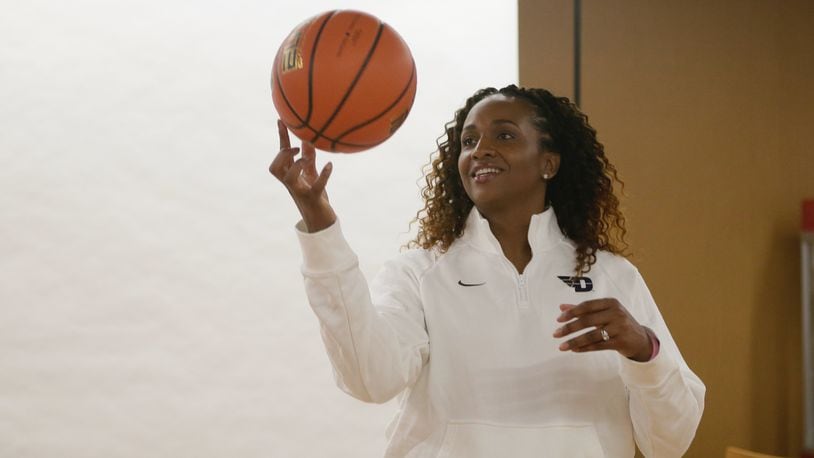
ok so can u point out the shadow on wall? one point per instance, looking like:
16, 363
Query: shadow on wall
776, 346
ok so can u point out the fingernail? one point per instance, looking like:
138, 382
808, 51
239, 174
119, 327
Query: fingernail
564, 346
558, 332
561, 318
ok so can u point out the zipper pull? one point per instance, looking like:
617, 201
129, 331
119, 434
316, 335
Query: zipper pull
524, 294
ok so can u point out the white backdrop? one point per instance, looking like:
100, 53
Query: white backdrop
151, 303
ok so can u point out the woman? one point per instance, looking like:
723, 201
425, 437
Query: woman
516, 329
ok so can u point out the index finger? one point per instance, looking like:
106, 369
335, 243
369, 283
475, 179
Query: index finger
584, 308
282, 131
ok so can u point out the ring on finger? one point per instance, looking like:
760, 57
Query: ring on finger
604, 333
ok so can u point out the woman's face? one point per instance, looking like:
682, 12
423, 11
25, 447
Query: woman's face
501, 162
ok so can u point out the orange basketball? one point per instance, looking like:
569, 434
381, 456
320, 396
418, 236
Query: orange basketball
344, 81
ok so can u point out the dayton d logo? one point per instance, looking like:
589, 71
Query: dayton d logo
580, 284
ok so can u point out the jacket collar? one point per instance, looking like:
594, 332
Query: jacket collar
544, 232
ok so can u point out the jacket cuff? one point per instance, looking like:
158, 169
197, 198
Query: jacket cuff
648, 374
325, 251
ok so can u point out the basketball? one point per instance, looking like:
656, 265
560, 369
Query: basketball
344, 81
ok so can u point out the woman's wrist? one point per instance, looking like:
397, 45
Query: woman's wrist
317, 219
650, 348
645, 352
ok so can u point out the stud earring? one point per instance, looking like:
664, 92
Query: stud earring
545, 176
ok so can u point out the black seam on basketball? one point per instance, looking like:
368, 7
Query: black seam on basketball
303, 134
285, 99
311, 67
335, 142
306, 126
384, 112
353, 83
355, 145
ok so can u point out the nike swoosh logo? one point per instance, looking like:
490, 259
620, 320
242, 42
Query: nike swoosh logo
470, 284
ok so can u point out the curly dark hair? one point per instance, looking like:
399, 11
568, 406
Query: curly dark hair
581, 193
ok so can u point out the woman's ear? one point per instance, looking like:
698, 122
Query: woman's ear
549, 165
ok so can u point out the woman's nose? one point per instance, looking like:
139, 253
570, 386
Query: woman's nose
483, 149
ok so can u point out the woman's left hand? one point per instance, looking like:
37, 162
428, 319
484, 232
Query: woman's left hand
621, 331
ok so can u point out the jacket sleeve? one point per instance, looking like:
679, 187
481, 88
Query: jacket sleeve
376, 350
666, 397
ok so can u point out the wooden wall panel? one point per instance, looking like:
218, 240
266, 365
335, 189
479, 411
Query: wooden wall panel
706, 109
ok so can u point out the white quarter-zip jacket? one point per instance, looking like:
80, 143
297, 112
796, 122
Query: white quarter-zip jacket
467, 343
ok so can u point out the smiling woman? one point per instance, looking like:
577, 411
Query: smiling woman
570, 171
491, 330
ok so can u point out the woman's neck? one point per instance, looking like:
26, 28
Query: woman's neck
512, 232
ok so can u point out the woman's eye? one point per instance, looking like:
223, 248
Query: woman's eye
468, 141
505, 136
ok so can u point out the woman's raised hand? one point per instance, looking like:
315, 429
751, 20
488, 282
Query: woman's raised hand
300, 177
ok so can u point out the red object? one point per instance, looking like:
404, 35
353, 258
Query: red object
344, 81
808, 215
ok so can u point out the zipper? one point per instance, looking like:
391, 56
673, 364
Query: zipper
520, 281
524, 290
